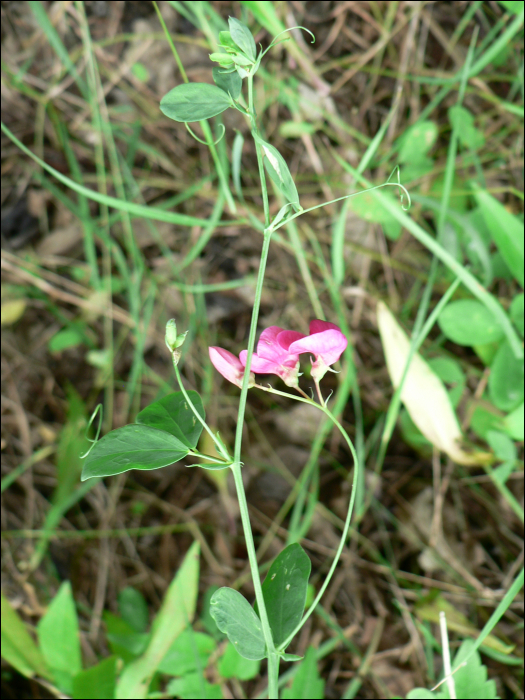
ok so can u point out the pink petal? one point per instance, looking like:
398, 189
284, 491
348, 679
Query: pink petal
286, 338
329, 344
259, 365
318, 326
267, 346
227, 364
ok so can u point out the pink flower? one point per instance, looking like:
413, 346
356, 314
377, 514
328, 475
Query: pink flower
325, 341
229, 366
273, 357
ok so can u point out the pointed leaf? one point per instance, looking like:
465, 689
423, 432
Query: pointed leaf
132, 447
236, 618
189, 652
279, 172
306, 683
192, 102
18, 647
284, 591
97, 682
176, 613
59, 638
229, 82
173, 415
243, 37
506, 230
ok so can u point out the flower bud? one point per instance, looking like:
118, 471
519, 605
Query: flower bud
171, 334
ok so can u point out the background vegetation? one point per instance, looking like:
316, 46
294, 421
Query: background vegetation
89, 283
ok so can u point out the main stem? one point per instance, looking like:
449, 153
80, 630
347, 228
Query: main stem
273, 657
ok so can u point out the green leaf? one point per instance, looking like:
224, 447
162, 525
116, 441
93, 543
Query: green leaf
133, 608
469, 322
291, 657
462, 120
18, 647
513, 423
207, 620
192, 102
123, 641
59, 638
176, 613
97, 682
514, 6
194, 685
506, 230
450, 372
188, 653
424, 694
307, 684
173, 415
279, 172
224, 59
485, 418
471, 679
132, 447
243, 37
284, 591
504, 448
233, 665
229, 82
506, 379
225, 40
236, 618
516, 312
415, 143
66, 338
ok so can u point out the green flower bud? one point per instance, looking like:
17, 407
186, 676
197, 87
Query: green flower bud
171, 334
180, 339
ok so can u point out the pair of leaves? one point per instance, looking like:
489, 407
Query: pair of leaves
192, 102
164, 433
284, 591
279, 173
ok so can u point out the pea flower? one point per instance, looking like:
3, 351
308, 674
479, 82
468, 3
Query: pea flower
273, 355
325, 341
229, 366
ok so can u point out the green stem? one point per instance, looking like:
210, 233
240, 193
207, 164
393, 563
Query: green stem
220, 447
273, 658
346, 527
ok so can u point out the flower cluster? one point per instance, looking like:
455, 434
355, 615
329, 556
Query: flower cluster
278, 353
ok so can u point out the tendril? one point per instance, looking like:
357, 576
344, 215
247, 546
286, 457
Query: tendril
205, 143
397, 170
274, 42
98, 409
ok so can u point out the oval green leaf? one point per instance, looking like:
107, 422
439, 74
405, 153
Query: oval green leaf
278, 171
284, 591
469, 322
506, 379
174, 415
236, 618
229, 82
132, 447
243, 37
192, 102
